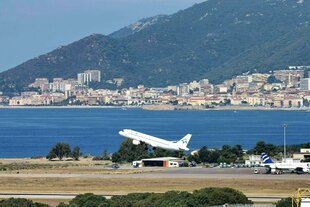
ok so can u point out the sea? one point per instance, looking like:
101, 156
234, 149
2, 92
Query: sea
28, 132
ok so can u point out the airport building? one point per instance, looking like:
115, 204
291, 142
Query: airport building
303, 155
253, 160
159, 162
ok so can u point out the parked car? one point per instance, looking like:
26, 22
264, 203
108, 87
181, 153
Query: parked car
114, 166
192, 164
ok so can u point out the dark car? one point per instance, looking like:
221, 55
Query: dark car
115, 166
193, 164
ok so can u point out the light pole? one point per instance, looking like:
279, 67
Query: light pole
284, 140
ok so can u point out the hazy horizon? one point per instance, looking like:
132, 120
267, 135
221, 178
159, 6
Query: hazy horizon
32, 28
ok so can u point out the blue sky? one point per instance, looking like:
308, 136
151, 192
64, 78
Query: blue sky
29, 28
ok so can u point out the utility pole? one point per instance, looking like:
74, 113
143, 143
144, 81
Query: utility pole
284, 141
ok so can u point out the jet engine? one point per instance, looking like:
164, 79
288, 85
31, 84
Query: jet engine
135, 142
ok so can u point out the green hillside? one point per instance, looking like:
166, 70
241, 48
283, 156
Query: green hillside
215, 39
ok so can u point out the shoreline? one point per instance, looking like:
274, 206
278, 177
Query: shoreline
164, 108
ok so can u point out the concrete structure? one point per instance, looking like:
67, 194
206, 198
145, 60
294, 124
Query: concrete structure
253, 160
289, 77
95, 75
89, 76
303, 155
83, 78
305, 84
39, 83
183, 89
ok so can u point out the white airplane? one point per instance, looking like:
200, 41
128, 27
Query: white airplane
280, 167
138, 138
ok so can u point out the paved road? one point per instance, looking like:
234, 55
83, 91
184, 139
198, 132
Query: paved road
203, 173
71, 196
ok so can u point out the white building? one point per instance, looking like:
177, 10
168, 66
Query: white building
95, 75
89, 76
83, 78
183, 89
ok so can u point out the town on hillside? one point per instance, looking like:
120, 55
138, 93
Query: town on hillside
286, 88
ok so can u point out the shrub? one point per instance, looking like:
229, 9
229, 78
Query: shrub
75, 154
284, 202
89, 200
20, 202
219, 196
60, 150
96, 158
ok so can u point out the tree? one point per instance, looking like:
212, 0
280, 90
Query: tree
203, 154
208, 156
60, 150
89, 200
105, 155
129, 152
75, 154
194, 158
158, 152
261, 147
219, 196
284, 202
116, 157
20, 202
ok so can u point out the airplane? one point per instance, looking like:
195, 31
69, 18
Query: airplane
280, 167
138, 138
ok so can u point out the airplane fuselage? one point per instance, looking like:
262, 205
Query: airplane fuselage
288, 166
156, 142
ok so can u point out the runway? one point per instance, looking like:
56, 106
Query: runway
201, 173
56, 186
68, 196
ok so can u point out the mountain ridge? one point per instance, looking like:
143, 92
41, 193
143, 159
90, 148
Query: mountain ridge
215, 39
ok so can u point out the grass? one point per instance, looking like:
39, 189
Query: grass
113, 186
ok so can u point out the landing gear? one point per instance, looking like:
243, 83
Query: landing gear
278, 172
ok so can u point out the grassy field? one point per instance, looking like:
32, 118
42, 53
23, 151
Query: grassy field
115, 186
35, 176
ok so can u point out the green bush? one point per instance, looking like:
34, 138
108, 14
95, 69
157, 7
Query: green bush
199, 198
219, 196
89, 200
129, 152
20, 202
284, 202
60, 150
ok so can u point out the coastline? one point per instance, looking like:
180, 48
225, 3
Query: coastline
164, 108
222, 108
68, 107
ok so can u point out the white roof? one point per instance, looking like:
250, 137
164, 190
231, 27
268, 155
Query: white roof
161, 159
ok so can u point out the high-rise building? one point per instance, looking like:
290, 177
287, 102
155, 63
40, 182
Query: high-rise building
95, 75
89, 76
83, 78
182, 89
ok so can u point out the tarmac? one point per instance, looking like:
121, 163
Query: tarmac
196, 172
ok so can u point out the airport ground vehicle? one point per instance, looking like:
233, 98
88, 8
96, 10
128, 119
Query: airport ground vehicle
114, 166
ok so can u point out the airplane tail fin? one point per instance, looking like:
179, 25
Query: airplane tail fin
182, 144
265, 158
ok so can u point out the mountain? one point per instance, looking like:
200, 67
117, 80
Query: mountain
215, 39
138, 26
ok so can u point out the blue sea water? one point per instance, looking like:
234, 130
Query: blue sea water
33, 131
